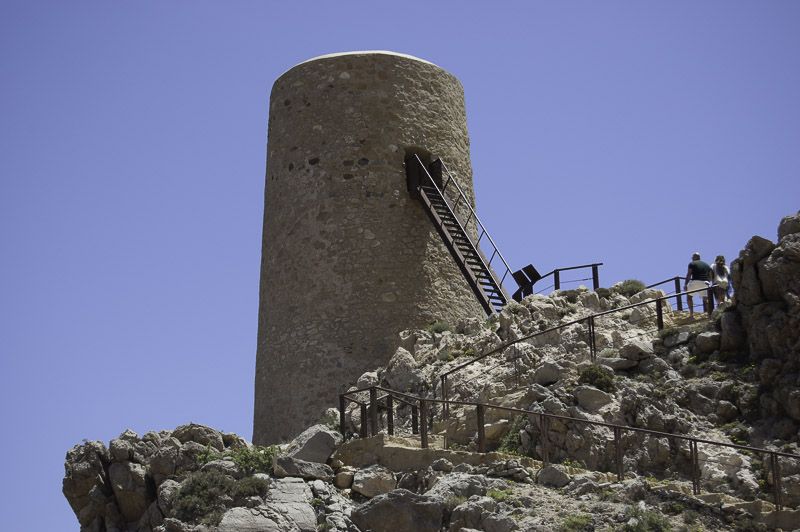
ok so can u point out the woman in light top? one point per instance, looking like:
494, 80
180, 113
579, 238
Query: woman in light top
722, 279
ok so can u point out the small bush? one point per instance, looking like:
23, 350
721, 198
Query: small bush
510, 442
499, 495
628, 287
255, 459
437, 327
603, 293
570, 295
201, 496
250, 487
600, 379
574, 523
640, 520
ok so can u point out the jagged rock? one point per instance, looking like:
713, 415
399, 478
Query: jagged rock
591, 399
400, 511
458, 485
732, 336
129, 484
286, 466
374, 480
401, 373
637, 350
242, 519
553, 476
166, 495
744, 274
315, 444
234, 441
369, 378
164, 462
681, 337
471, 514
788, 225
547, 373
653, 365
726, 411
226, 467
194, 432
618, 364
344, 478
707, 342
442, 464
85, 484
779, 273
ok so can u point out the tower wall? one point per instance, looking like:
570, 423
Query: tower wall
349, 259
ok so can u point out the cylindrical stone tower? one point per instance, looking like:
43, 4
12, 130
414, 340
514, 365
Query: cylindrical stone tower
349, 258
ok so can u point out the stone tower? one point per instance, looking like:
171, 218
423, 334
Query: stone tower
349, 258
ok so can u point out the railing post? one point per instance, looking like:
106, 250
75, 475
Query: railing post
595, 277
414, 420
678, 291
373, 410
710, 297
556, 280
342, 422
592, 345
618, 453
390, 415
481, 428
363, 431
423, 423
445, 405
776, 481
695, 467
659, 314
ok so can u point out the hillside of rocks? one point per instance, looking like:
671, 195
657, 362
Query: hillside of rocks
732, 377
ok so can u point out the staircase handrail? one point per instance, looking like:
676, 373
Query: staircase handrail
466, 233
451, 177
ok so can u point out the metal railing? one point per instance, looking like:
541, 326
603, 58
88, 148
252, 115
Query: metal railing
463, 200
590, 323
421, 426
557, 282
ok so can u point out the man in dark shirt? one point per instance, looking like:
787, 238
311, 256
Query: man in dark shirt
697, 276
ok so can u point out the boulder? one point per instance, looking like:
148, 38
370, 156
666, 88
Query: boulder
85, 484
459, 485
400, 511
166, 495
553, 476
618, 364
779, 273
226, 467
636, 350
344, 478
286, 466
646, 295
680, 337
744, 274
547, 373
401, 373
257, 519
789, 225
374, 480
291, 499
707, 342
315, 444
370, 378
472, 513
130, 486
590, 398
201, 434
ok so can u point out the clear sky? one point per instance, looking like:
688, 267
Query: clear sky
132, 153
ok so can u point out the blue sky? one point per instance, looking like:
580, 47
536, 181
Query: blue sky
132, 153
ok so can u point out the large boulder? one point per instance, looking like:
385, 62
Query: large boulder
459, 485
401, 372
373, 480
789, 225
636, 350
553, 476
591, 399
315, 444
85, 484
199, 434
130, 486
400, 511
744, 273
286, 466
779, 273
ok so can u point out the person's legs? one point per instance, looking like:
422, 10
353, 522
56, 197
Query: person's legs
719, 294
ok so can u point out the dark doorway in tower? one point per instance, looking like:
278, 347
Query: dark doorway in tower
421, 167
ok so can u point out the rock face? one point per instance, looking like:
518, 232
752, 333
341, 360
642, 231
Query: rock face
341, 126
400, 511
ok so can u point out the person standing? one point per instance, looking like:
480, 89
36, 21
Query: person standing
722, 279
697, 276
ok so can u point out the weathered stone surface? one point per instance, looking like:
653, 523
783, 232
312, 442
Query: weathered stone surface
779, 273
789, 225
636, 350
85, 484
344, 478
201, 434
547, 373
459, 485
400, 511
618, 364
707, 342
286, 466
128, 481
591, 399
732, 336
373, 480
744, 272
166, 495
226, 467
315, 444
401, 372
678, 338
553, 476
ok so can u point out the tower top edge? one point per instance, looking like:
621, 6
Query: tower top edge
360, 53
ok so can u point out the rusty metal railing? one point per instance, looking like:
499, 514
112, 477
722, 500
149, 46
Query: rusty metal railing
590, 323
557, 281
543, 419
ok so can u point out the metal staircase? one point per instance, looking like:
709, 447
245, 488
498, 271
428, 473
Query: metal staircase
451, 213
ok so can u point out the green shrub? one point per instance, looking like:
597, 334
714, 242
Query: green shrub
201, 496
255, 459
597, 377
640, 520
499, 495
250, 487
570, 295
510, 441
574, 523
604, 293
437, 327
628, 287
